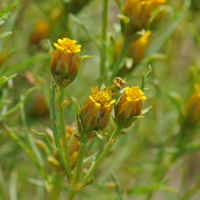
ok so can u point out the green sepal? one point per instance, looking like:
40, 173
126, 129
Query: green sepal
98, 133
116, 185
4, 79
66, 102
124, 18
82, 58
155, 13
145, 110
76, 104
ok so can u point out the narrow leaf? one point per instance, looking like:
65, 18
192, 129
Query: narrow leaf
116, 185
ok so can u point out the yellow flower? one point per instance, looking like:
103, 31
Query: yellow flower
95, 112
129, 106
139, 13
65, 61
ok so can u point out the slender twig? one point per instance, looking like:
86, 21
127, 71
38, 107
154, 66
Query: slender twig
74, 185
61, 117
54, 125
103, 40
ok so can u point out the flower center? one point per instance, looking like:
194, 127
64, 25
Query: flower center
102, 98
68, 45
134, 94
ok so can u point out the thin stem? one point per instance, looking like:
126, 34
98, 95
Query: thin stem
103, 40
54, 123
79, 163
74, 185
61, 116
123, 52
112, 140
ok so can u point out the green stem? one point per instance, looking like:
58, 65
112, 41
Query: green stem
54, 124
112, 140
103, 40
79, 163
123, 52
74, 185
61, 117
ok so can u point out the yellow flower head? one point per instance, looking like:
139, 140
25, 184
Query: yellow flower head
102, 98
95, 112
129, 106
68, 45
65, 61
139, 13
134, 94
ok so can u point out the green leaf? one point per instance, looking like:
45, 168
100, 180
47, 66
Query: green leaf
145, 78
13, 186
4, 34
7, 9
4, 79
47, 139
76, 104
146, 110
116, 185
82, 58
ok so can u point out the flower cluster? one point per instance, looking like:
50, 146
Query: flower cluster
96, 110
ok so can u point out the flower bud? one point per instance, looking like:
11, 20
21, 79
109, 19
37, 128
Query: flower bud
129, 106
139, 14
96, 111
65, 61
